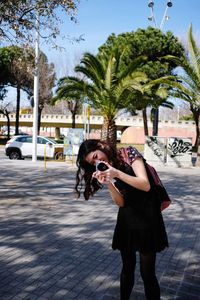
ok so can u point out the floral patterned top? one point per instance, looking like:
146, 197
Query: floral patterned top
129, 154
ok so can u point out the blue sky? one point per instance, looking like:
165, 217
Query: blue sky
97, 19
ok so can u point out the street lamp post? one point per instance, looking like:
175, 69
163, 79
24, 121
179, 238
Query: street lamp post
153, 19
86, 120
36, 91
165, 16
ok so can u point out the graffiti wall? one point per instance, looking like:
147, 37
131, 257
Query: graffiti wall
179, 151
155, 149
171, 151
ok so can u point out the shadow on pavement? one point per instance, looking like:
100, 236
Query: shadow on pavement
54, 246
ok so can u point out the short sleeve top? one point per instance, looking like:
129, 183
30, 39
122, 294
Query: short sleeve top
129, 154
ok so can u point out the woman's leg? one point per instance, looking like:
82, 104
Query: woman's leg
147, 270
127, 273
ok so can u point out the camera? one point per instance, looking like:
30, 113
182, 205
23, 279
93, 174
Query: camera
101, 166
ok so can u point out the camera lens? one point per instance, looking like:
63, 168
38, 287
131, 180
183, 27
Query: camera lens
101, 166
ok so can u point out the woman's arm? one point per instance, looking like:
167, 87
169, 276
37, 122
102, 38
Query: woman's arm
115, 194
139, 181
104, 178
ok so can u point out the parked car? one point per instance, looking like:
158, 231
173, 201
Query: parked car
21, 146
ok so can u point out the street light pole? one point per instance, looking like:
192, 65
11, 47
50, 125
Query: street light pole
152, 18
36, 91
86, 120
165, 16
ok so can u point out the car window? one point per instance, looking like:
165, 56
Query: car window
49, 140
19, 139
28, 139
41, 141
24, 139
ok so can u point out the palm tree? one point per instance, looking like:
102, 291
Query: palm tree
72, 98
155, 115
152, 94
106, 86
160, 95
187, 86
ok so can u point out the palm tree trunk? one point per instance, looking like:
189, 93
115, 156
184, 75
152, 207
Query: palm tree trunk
17, 112
73, 107
145, 122
39, 118
198, 154
196, 115
57, 133
6, 113
8, 122
197, 134
198, 147
73, 119
109, 132
155, 122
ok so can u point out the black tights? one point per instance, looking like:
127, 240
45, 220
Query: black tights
147, 271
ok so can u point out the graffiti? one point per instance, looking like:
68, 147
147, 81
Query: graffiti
178, 147
156, 146
173, 151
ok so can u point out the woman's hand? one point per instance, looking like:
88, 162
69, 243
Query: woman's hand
104, 177
139, 181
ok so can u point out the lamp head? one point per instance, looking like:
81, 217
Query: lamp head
150, 4
169, 3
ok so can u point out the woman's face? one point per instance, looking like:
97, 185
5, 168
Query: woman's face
96, 155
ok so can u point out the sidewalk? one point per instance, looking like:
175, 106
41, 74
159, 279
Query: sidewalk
54, 246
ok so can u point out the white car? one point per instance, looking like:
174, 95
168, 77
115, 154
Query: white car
21, 146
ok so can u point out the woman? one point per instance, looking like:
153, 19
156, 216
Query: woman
139, 224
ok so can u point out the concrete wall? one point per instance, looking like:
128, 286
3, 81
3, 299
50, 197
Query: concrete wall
172, 151
135, 135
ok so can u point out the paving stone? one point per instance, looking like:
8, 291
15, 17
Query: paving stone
54, 246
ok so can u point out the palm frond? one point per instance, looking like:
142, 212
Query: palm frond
110, 72
90, 61
162, 93
194, 53
91, 74
180, 95
167, 104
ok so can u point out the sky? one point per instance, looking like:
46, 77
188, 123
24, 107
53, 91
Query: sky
97, 19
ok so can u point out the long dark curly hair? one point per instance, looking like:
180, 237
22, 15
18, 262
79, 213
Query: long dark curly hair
85, 170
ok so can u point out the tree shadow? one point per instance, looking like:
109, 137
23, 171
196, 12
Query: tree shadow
54, 246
